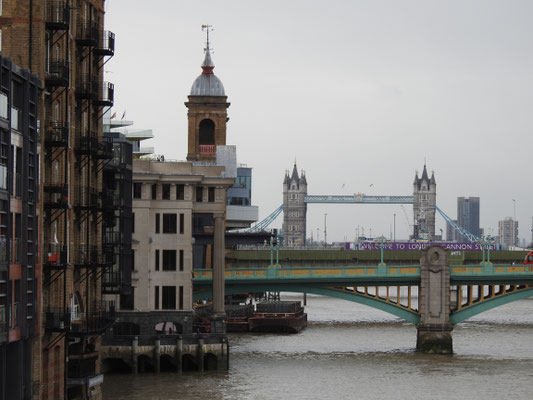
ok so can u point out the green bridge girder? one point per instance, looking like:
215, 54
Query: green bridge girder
324, 280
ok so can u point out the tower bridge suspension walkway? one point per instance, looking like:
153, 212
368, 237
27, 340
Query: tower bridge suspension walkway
432, 295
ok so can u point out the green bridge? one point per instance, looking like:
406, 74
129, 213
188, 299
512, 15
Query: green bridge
393, 288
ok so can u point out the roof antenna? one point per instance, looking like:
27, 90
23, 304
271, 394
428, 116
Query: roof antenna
207, 28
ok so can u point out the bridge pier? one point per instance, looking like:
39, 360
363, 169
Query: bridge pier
434, 331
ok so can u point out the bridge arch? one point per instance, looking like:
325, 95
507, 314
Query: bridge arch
468, 312
397, 311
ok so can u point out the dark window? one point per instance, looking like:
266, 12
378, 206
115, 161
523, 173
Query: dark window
157, 260
157, 223
211, 195
166, 191
181, 260
181, 298
137, 190
154, 191
169, 223
180, 192
133, 260
169, 260
199, 194
157, 297
169, 298
207, 132
126, 300
132, 222
182, 222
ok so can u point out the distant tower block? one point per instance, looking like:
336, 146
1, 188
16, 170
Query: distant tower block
425, 199
294, 208
207, 112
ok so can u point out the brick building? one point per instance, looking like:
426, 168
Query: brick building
63, 42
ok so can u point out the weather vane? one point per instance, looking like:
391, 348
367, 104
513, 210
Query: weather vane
207, 28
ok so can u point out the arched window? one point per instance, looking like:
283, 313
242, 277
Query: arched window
207, 132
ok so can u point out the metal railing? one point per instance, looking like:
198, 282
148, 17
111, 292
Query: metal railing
58, 73
57, 15
106, 44
106, 94
87, 33
57, 133
82, 367
55, 254
86, 255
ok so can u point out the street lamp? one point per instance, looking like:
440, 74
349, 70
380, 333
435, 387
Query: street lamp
325, 230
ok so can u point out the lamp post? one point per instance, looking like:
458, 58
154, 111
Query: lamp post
394, 231
325, 230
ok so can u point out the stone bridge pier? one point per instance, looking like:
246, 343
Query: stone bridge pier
434, 331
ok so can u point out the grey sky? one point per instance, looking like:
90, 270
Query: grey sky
359, 92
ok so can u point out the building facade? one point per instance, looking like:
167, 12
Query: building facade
294, 208
20, 272
425, 199
508, 231
468, 214
64, 43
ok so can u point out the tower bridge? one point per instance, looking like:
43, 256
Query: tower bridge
296, 199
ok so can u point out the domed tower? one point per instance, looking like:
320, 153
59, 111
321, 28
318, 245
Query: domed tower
207, 112
294, 208
425, 199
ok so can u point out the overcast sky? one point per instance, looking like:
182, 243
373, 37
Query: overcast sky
360, 93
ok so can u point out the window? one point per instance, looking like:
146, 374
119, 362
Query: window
154, 191
169, 260
156, 298
211, 194
133, 260
180, 192
166, 191
182, 223
126, 300
170, 223
137, 190
132, 222
169, 298
157, 260
199, 194
181, 260
157, 223
181, 298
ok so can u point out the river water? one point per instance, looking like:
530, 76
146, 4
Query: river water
350, 351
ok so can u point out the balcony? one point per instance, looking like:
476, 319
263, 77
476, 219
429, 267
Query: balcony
55, 256
93, 322
85, 198
106, 95
86, 256
106, 44
57, 320
86, 87
56, 135
87, 33
83, 366
57, 74
87, 143
55, 196
57, 15
105, 149
207, 149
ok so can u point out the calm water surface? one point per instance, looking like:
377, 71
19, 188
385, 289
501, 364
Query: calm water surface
349, 351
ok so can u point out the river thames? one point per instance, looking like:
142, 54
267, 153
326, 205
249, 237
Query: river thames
350, 351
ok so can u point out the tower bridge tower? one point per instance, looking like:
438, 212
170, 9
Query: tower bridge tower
294, 208
425, 199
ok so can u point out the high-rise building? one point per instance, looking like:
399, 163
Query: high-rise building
451, 234
64, 43
508, 231
425, 199
19, 267
468, 214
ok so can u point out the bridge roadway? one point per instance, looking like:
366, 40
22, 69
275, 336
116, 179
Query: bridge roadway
477, 287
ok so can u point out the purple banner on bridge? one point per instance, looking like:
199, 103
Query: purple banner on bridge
421, 246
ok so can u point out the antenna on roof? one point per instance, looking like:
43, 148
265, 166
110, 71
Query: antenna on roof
207, 28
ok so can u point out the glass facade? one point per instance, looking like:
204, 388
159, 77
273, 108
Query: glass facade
240, 194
